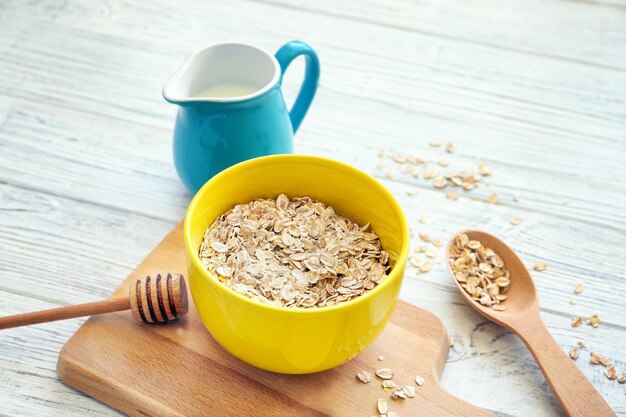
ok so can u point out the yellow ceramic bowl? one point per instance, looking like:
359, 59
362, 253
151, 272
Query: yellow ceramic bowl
289, 340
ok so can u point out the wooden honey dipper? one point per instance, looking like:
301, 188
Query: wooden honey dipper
158, 300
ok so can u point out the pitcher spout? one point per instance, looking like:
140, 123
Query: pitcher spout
224, 72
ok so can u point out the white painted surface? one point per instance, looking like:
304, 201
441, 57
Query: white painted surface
536, 89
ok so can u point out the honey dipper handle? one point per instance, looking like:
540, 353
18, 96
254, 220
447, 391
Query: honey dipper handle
575, 393
62, 313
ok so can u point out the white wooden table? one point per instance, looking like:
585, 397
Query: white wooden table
536, 89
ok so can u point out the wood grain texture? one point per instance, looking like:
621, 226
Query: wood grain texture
87, 183
180, 370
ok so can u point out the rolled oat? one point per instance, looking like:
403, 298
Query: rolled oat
293, 253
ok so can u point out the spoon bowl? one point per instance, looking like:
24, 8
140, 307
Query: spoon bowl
574, 392
521, 297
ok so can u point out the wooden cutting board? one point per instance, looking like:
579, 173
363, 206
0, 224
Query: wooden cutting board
179, 370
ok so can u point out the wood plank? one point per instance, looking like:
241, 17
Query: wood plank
443, 63
149, 185
516, 25
70, 252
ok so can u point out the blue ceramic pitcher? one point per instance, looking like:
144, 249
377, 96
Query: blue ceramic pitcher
232, 108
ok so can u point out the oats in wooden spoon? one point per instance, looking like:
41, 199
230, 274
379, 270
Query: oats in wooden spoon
480, 272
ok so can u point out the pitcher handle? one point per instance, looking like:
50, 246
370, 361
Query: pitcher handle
287, 53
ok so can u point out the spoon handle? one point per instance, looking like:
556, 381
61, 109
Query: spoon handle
575, 393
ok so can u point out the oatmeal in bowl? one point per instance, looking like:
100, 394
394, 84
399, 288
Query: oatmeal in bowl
293, 253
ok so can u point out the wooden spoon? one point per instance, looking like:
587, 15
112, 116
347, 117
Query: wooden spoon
152, 300
573, 391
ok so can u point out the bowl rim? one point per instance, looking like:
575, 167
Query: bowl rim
395, 273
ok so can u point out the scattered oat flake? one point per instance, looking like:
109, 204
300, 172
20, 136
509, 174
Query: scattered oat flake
574, 353
409, 391
414, 160
516, 222
381, 153
450, 147
622, 378
398, 394
385, 373
435, 143
438, 242
382, 406
426, 237
401, 159
581, 344
577, 321
419, 380
415, 261
392, 414
421, 249
484, 170
389, 174
381, 357
450, 341
492, 199
440, 182
540, 266
572, 302
610, 372
597, 359
578, 288
421, 219
364, 376
593, 320
431, 252
443, 162
412, 191
452, 196
430, 173
388, 384
425, 267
